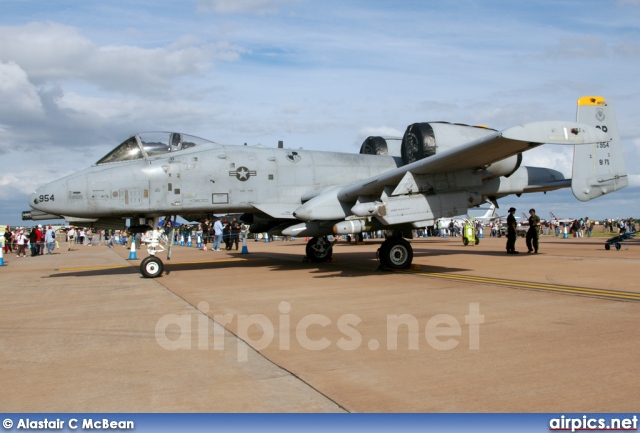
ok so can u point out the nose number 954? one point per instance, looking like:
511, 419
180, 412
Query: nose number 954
45, 198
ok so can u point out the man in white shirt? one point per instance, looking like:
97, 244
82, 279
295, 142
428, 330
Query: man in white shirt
71, 235
217, 230
50, 240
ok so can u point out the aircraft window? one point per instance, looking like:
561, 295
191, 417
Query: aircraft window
155, 143
191, 141
127, 151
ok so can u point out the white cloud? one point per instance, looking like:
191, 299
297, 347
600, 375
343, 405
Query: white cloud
592, 47
19, 97
382, 131
244, 6
51, 52
558, 158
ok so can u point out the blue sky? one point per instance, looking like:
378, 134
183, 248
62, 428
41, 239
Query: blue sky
78, 77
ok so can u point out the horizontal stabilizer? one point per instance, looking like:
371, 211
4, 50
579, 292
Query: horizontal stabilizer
555, 132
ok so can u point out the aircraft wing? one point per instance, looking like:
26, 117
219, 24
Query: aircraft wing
482, 152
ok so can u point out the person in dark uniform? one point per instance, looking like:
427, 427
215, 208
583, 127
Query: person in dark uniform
236, 229
533, 233
511, 232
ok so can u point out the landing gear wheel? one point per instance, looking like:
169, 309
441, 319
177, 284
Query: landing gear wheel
465, 241
151, 267
607, 247
396, 253
319, 249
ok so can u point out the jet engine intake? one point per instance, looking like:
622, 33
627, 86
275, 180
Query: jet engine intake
381, 146
374, 146
422, 140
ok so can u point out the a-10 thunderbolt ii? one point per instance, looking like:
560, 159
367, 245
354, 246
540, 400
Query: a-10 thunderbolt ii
440, 170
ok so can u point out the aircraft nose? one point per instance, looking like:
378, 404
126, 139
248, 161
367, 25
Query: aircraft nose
49, 198
33, 199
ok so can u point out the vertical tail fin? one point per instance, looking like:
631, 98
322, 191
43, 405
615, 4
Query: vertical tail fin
490, 213
599, 168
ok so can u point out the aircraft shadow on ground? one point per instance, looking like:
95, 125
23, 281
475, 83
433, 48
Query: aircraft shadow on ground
342, 266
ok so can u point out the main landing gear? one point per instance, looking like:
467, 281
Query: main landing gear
394, 253
319, 249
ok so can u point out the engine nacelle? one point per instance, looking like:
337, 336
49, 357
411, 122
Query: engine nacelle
505, 167
422, 140
381, 146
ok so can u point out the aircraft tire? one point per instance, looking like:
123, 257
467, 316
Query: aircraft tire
396, 253
465, 241
151, 267
374, 146
319, 249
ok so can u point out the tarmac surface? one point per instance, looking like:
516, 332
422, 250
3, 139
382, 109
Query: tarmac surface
467, 329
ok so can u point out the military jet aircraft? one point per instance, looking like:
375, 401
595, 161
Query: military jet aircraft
441, 170
489, 216
561, 220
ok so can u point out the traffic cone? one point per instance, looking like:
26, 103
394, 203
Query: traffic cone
266, 237
245, 250
480, 232
182, 240
565, 235
132, 253
2, 254
199, 242
189, 243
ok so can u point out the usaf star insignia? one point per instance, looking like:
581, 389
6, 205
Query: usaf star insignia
242, 173
293, 156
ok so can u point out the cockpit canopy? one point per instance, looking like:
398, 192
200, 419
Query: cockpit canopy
146, 144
